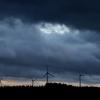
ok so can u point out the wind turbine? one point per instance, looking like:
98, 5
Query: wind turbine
33, 82
47, 74
80, 80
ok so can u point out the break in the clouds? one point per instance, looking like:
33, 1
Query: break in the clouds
27, 48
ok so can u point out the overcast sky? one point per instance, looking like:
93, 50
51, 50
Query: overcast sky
61, 34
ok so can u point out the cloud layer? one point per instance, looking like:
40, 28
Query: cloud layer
26, 49
81, 14
61, 34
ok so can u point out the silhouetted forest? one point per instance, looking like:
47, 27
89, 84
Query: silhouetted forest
50, 90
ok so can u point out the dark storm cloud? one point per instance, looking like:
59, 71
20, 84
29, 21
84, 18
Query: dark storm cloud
81, 14
26, 51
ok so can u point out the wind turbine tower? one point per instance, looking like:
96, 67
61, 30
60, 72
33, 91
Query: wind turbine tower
80, 80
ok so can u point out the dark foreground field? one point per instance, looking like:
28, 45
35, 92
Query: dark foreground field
50, 91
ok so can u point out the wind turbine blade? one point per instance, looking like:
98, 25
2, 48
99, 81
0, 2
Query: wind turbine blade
51, 74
